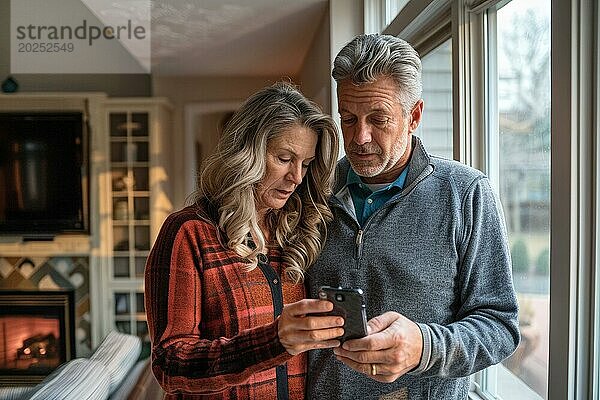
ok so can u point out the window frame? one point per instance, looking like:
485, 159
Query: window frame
595, 370
571, 250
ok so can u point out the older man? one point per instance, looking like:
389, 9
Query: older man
422, 236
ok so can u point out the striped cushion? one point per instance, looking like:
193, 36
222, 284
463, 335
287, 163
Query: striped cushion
16, 392
118, 352
79, 379
123, 392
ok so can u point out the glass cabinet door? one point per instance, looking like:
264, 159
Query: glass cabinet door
129, 160
130, 219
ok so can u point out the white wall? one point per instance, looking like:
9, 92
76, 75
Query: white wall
208, 131
315, 76
345, 22
185, 91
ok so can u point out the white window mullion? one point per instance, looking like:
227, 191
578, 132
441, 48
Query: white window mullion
374, 15
461, 82
595, 323
490, 99
491, 149
489, 381
586, 213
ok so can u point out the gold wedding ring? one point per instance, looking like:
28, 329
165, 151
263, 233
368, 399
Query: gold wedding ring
373, 369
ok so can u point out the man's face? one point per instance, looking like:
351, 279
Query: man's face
377, 137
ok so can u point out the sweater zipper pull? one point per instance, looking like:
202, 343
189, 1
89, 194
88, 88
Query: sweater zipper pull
359, 243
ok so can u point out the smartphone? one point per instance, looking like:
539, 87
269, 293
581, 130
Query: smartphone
348, 303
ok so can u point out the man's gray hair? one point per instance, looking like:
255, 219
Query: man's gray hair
368, 57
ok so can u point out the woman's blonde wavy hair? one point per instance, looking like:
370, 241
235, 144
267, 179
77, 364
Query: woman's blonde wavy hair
228, 179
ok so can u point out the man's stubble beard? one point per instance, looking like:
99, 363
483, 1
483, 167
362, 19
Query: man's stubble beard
367, 169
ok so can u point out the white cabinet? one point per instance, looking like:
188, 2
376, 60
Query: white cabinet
134, 206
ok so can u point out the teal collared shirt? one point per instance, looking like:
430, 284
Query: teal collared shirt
365, 200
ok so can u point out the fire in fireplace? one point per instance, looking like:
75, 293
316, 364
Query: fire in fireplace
36, 334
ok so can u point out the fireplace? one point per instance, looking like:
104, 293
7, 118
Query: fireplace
36, 334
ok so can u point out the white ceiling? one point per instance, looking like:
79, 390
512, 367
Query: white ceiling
233, 37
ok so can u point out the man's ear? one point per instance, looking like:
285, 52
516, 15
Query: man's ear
415, 116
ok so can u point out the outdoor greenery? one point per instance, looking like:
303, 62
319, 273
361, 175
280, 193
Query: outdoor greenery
542, 263
520, 257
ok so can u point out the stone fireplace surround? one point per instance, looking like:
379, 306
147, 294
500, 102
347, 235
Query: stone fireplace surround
52, 273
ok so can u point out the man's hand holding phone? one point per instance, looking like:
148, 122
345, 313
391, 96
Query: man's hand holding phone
393, 347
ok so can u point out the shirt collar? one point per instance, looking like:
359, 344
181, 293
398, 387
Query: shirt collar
352, 178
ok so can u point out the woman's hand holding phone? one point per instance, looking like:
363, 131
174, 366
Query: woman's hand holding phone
303, 326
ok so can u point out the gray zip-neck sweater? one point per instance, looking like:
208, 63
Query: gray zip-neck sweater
437, 253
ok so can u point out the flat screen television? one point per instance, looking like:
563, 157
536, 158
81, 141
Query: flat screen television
43, 173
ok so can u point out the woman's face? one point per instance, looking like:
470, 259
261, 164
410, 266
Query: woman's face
288, 157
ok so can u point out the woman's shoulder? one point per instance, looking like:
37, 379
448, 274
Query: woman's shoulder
189, 213
195, 216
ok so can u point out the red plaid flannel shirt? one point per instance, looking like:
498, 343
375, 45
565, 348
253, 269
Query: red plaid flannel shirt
212, 324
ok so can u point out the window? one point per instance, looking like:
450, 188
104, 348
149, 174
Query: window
379, 13
519, 50
436, 128
392, 8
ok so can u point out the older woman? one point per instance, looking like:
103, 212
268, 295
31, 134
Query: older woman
222, 269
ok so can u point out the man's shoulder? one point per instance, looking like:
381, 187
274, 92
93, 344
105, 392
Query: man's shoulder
444, 168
